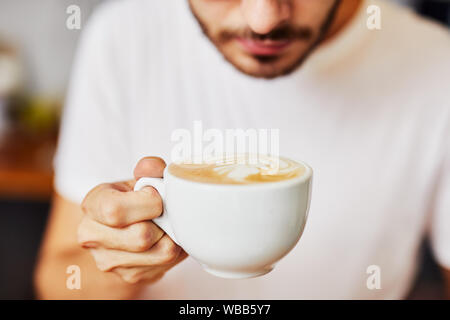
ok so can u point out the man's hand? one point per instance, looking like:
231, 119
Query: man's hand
116, 228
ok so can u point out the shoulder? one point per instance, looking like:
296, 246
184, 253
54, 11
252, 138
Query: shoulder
118, 30
126, 27
415, 38
121, 12
422, 50
413, 49
124, 18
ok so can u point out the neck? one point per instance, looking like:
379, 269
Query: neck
345, 13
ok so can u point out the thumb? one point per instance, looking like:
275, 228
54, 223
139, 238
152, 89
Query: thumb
151, 167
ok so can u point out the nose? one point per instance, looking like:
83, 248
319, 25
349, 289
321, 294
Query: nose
263, 16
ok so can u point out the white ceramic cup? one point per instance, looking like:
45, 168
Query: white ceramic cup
234, 231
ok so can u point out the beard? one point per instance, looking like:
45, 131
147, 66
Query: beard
268, 64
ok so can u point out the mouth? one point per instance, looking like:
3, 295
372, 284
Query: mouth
265, 47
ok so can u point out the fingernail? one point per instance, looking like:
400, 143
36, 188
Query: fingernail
90, 245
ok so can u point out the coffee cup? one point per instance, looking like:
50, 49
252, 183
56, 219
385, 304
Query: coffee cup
235, 228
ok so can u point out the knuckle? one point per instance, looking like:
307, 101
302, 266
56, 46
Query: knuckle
103, 265
154, 199
152, 192
84, 206
131, 278
131, 275
142, 245
170, 252
83, 234
112, 213
103, 259
143, 237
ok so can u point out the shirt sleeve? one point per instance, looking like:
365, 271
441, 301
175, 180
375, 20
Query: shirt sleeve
92, 146
440, 220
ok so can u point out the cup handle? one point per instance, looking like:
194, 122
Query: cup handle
163, 220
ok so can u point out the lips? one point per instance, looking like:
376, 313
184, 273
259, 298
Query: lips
263, 47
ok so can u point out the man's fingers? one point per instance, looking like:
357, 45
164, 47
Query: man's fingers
164, 252
151, 167
138, 237
117, 205
134, 275
138, 274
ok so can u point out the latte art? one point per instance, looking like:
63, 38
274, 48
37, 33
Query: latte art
240, 170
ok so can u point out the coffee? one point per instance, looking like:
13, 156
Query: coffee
239, 170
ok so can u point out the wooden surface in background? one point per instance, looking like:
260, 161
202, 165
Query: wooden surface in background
26, 166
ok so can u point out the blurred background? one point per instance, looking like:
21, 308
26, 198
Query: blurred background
36, 52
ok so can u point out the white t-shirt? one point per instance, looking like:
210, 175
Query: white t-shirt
369, 111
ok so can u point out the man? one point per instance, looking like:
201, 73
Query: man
367, 109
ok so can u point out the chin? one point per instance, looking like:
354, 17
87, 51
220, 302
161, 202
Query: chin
266, 68
263, 67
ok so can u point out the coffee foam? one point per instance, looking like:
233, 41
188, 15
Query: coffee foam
239, 170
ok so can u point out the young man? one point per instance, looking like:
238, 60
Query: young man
367, 109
